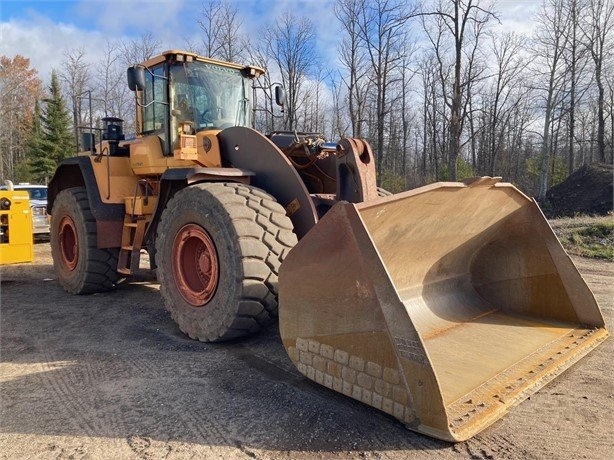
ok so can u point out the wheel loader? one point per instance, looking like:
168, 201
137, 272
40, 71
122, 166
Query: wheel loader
442, 306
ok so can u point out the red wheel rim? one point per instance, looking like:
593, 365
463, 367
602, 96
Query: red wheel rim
195, 265
69, 244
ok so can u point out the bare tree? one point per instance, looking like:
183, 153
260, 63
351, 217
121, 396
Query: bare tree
139, 49
290, 44
575, 64
111, 90
510, 62
610, 108
74, 77
407, 75
354, 61
315, 103
550, 44
520, 118
222, 34
381, 26
208, 25
464, 20
598, 34
339, 124
435, 114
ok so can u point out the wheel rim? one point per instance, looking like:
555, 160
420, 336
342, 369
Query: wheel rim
69, 243
195, 265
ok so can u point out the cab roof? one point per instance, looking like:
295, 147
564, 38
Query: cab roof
187, 56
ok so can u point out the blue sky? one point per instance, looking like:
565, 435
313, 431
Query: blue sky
41, 30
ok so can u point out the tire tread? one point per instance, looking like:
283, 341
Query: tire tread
264, 236
100, 270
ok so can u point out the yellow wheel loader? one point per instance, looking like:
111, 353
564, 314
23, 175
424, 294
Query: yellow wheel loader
442, 306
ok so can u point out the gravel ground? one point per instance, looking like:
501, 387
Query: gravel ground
111, 376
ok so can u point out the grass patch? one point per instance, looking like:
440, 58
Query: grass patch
586, 236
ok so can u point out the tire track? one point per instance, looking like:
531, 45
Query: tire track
68, 401
326, 406
76, 391
491, 447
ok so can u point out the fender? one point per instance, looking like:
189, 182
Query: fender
78, 172
246, 148
175, 179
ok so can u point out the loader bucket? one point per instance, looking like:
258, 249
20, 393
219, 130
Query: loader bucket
443, 306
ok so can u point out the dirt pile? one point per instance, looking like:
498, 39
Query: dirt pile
586, 191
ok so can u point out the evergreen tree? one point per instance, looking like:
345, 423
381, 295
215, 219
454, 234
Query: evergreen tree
41, 164
57, 141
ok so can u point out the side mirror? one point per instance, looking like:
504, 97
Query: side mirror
280, 95
136, 78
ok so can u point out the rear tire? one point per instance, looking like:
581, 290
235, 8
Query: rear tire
81, 267
218, 250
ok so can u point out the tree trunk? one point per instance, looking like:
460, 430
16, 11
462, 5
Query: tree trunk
572, 91
543, 178
455, 131
600, 114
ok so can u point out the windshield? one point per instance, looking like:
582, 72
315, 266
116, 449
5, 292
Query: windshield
210, 96
35, 193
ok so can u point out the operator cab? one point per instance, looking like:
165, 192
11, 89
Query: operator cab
180, 94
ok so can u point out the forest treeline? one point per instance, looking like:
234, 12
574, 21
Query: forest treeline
439, 88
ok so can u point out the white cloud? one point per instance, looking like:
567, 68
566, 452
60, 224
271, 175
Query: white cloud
43, 42
116, 19
89, 24
517, 15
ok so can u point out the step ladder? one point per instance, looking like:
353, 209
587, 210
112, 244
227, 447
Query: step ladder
139, 212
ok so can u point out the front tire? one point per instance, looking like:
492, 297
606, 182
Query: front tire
218, 249
81, 267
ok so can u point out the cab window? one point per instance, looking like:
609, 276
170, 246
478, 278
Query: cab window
154, 97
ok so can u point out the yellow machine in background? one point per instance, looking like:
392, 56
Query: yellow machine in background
16, 242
